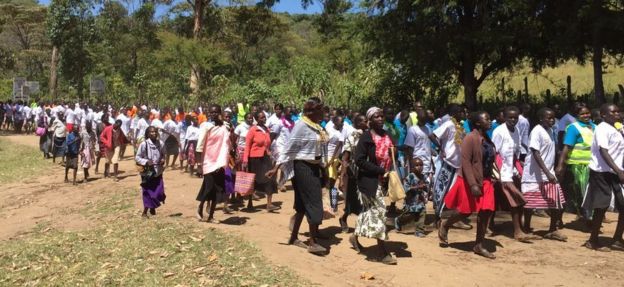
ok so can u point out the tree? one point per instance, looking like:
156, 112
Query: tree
467, 39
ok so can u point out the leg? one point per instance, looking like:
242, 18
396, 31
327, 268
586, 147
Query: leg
516, 219
599, 213
86, 174
200, 210
483, 220
97, 164
528, 214
75, 172
420, 223
144, 212
106, 169
116, 170
66, 172
294, 234
617, 236
446, 224
213, 206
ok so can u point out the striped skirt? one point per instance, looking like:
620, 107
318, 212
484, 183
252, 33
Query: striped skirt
543, 195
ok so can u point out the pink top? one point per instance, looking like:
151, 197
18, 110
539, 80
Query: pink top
216, 149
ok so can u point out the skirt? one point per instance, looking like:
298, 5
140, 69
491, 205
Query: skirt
603, 186
71, 161
260, 166
461, 199
189, 151
58, 148
171, 146
307, 184
512, 195
229, 181
543, 195
352, 200
371, 222
575, 188
87, 158
153, 192
213, 186
445, 178
45, 143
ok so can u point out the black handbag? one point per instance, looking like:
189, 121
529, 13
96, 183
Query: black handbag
149, 172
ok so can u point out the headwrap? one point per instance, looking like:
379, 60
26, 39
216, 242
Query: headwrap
372, 111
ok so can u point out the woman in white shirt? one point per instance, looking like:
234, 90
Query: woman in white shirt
539, 185
241, 134
192, 135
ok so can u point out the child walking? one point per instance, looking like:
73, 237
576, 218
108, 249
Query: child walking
417, 187
73, 149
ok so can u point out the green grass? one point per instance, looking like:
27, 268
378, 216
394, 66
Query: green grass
131, 251
19, 161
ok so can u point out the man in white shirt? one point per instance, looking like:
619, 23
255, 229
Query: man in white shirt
419, 145
506, 139
606, 176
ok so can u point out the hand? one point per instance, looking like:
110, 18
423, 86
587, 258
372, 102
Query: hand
269, 173
621, 176
244, 167
149, 162
162, 161
551, 178
559, 172
476, 191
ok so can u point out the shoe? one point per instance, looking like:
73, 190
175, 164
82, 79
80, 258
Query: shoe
317, 249
420, 234
462, 225
299, 243
617, 245
271, 208
389, 260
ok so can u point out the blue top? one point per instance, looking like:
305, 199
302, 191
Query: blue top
73, 144
347, 120
573, 135
489, 132
323, 124
402, 128
466, 124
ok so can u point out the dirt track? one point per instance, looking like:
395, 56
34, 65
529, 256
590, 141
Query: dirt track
420, 261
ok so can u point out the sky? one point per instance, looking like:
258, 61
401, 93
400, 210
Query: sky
290, 6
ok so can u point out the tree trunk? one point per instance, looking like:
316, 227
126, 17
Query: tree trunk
598, 83
198, 11
53, 71
469, 81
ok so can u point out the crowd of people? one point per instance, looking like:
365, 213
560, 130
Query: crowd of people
465, 162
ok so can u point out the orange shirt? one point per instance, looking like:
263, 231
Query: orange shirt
180, 117
201, 118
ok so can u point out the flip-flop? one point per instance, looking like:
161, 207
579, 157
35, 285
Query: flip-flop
556, 236
484, 253
596, 247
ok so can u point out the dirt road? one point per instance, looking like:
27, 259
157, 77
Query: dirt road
420, 260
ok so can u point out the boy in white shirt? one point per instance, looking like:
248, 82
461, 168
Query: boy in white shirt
606, 175
539, 184
506, 139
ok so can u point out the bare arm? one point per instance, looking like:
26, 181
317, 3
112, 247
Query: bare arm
609, 160
537, 156
565, 153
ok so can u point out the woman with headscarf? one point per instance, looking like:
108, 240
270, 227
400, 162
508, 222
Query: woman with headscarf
373, 159
307, 150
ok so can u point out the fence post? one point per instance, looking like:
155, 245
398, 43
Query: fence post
569, 89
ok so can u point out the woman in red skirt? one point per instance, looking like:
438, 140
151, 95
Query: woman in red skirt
473, 190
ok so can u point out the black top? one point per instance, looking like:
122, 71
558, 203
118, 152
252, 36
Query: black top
489, 154
369, 170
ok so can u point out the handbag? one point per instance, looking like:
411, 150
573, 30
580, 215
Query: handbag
244, 184
147, 172
396, 191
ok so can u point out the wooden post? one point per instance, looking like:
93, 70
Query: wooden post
503, 90
548, 96
569, 89
616, 98
526, 89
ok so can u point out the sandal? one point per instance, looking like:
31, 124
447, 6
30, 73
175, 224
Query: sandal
388, 260
596, 247
483, 252
556, 235
271, 208
299, 243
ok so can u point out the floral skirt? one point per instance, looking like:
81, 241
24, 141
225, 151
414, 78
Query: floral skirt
371, 222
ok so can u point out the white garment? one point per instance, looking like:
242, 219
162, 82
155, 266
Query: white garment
140, 129
241, 132
125, 123
192, 133
70, 116
26, 111
565, 121
335, 139
170, 129
542, 141
523, 128
274, 124
446, 136
157, 123
347, 130
508, 147
59, 129
607, 137
418, 138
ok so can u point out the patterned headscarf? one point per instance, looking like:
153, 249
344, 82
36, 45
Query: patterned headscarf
372, 111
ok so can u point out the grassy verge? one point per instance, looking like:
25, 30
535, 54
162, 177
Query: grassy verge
19, 160
131, 251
